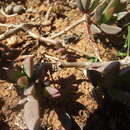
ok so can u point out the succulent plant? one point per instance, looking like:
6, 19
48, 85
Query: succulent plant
113, 81
105, 15
83, 5
26, 79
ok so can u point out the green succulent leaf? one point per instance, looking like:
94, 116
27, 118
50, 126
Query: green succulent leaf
94, 4
128, 41
79, 4
97, 17
110, 10
28, 66
83, 5
13, 75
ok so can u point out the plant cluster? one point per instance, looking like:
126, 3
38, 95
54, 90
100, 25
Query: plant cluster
105, 16
27, 78
111, 82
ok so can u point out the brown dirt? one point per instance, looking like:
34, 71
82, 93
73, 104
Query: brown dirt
77, 97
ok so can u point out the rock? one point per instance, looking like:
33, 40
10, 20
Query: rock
9, 9
18, 9
14, 9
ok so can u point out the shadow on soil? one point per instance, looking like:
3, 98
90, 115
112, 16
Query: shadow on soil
109, 116
66, 103
3, 124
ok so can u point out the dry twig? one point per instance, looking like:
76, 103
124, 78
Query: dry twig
69, 28
17, 28
87, 65
48, 14
42, 38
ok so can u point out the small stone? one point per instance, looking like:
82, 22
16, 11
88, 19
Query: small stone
12, 41
71, 38
18, 9
9, 9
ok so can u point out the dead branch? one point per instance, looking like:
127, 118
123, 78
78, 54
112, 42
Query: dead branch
12, 31
30, 24
42, 38
87, 65
8, 25
51, 57
69, 28
48, 14
80, 51
18, 28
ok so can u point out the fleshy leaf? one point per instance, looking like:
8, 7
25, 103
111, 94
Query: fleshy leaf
95, 77
110, 74
109, 29
97, 18
13, 75
31, 114
110, 9
23, 82
124, 77
79, 4
121, 15
65, 119
94, 29
51, 92
121, 96
94, 4
28, 66
83, 5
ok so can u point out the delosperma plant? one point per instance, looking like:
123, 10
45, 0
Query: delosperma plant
26, 78
105, 16
28, 75
109, 17
111, 82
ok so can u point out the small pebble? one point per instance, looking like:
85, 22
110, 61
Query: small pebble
18, 9
71, 38
9, 9
14, 9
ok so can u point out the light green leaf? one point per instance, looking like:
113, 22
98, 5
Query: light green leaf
28, 66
